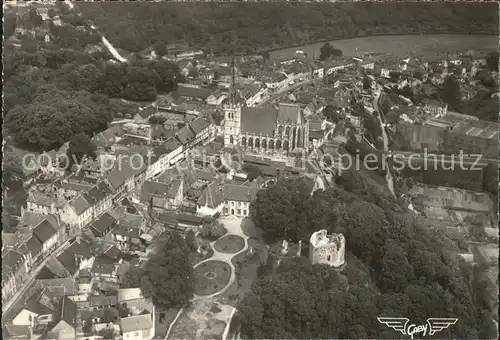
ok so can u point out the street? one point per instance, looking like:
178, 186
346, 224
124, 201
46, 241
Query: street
277, 95
7, 306
388, 176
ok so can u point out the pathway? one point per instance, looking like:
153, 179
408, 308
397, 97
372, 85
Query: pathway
388, 175
173, 322
233, 226
6, 307
105, 41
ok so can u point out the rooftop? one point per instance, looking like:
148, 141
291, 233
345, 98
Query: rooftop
44, 231
199, 124
240, 193
212, 196
289, 113
104, 223
192, 92
79, 204
256, 120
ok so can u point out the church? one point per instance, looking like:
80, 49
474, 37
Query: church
267, 130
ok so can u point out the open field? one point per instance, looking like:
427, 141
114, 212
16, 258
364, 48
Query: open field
400, 45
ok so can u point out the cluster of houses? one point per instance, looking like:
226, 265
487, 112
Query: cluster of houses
91, 265
426, 77
431, 123
434, 126
76, 294
257, 80
75, 310
78, 228
166, 168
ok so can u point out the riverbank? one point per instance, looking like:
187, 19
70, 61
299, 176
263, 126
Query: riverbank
333, 40
243, 28
397, 44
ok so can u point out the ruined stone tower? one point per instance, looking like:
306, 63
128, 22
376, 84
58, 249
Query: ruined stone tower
327, 249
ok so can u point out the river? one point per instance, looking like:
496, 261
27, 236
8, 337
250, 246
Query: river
399, 45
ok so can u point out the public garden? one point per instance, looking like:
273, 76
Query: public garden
224, 270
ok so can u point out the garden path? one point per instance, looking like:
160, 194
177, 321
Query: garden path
233, 226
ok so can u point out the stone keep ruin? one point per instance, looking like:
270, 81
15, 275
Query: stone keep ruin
327, 249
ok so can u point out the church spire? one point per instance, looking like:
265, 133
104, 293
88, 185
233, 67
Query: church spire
233, 83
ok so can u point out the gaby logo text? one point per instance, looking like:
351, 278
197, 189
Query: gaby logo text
402, 325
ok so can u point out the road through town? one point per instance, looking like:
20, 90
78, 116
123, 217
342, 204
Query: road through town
279, 94
388, 176
31, 278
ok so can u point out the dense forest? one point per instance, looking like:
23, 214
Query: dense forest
252, 27
396, 266
54, 90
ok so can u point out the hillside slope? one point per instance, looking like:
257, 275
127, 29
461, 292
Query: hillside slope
253, 27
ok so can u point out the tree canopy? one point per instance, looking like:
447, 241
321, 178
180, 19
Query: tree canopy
328, 51
160, 48
133, 277
168, 277
331, 113
492, 60
54, 92
451, 91
246, 27
80, 148
252, 171
280, 210
12, 172
396, 265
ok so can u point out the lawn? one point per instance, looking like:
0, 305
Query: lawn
210, 277
246, 271
229, 244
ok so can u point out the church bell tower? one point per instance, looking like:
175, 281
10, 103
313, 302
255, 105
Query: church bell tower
232, 113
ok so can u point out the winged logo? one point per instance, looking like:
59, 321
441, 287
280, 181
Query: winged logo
438, 324
398, 324
433, 325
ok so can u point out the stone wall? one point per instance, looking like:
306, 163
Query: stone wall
327, 249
